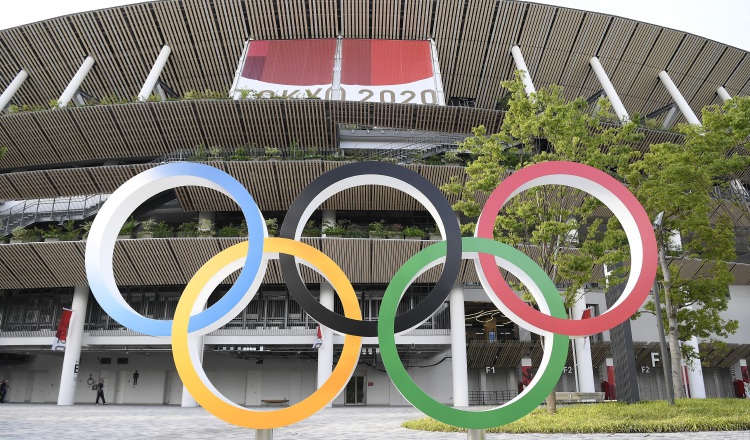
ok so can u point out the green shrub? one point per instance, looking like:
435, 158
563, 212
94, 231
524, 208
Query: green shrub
189, 229
378, 229
686, 415
127, 227
413, 231
272, 225
230, 231
311, 229
162, 230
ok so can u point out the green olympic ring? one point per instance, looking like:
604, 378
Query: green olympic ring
556, 345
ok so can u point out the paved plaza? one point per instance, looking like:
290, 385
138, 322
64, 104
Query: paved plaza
86, 421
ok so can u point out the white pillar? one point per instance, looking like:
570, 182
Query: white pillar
69, 375
76, 82
583, 352
325, 351
187, 400
521, 65
721, 91
678, 99
458, 347
609, 89
695, 372
328, 216
153, 76
13, 88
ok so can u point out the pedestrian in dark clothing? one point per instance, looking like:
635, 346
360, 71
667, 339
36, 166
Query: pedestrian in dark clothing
3, 390
100, 392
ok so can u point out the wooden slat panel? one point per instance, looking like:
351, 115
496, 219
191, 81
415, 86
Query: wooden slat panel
66, 262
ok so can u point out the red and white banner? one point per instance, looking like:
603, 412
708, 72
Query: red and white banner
387, 71
319, 339
61, 336
287, 69
395, 71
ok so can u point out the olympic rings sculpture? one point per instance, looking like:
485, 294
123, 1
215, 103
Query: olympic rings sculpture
192, 319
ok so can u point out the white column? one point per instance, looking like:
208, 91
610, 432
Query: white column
721, 91
695, 372
678, 99
584, 366
153, 76
521, 65
325, 351
328, 216
609, 89
13, 88
458, 347
69, 375
76, 82
187, 400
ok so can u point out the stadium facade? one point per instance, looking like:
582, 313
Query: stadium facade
395, 80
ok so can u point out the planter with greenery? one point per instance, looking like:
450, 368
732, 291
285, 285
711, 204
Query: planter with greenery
147, 228
396, 230
230, 231
127, 229
334, 229
51, 234
85, 228
239, 155
311, 229
413, 233
23, 235
70, 232
377, 229
434, 233
162, 230
206, 228
189, 229
272, 225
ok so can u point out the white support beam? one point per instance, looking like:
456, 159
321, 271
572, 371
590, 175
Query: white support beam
13, 88
76, 82
521, 65
609, 89
695, 372
153, 76
584, 363
682, 104
721, 91
72, 356
458, 347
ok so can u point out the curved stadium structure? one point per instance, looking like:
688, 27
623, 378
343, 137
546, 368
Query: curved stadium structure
182, 58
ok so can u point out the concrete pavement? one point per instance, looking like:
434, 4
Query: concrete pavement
86, 421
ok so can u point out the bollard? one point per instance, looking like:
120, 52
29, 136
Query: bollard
477, 434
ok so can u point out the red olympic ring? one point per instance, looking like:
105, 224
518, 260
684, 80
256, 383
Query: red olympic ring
619, 200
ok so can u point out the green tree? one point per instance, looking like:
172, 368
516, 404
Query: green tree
553, 219
3, 150
678, 179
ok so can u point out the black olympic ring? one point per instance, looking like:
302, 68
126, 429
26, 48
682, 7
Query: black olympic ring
326, 186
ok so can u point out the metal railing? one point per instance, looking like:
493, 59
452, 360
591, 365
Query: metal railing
58, 209
491, 397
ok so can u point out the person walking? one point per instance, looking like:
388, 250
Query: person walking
3, 390
100, 392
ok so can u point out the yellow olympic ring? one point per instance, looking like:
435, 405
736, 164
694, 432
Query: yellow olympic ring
193, 376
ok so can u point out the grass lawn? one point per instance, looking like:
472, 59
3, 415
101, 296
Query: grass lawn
612, 417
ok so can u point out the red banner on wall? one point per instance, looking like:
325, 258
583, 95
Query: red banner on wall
62, 330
